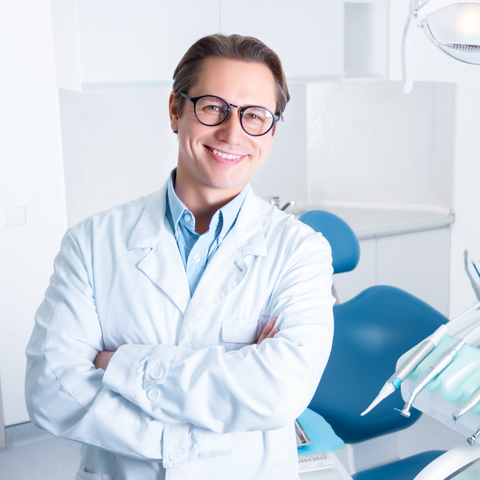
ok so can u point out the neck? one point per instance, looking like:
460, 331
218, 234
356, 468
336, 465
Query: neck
203, 202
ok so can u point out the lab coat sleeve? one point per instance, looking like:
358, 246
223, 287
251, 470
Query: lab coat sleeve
64, 392
259, 387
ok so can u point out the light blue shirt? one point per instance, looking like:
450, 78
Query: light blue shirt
197, 250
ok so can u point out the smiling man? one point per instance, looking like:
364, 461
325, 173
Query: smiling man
183, 333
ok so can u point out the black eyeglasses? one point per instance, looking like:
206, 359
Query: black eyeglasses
212, 111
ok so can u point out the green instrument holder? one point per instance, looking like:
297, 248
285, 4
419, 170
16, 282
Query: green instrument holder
448, 392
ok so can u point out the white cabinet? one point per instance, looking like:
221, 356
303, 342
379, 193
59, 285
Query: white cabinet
104, 44
366, 39
118, 44
307, 34
415, 262
418, 263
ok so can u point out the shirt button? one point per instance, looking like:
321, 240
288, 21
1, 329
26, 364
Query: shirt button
196, 258
155, 373
187, 217
175, 454
153, 394
185, 344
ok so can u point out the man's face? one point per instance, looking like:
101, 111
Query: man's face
239, 83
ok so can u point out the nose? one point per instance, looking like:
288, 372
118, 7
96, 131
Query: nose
231, 131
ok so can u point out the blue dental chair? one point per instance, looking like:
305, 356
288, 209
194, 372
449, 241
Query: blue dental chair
372, 331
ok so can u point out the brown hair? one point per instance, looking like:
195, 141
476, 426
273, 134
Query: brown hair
232, 47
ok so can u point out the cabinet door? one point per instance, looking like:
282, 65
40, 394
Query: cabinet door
350, 284
307, 35
418, 263
126, 41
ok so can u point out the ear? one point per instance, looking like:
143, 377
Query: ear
173, 110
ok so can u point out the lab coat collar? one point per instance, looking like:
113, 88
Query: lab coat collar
225, 272
248, 232
153, 222
163, 262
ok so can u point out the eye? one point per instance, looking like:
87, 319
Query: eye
212, 108
255, 115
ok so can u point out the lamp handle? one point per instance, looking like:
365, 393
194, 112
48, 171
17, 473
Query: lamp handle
406, 43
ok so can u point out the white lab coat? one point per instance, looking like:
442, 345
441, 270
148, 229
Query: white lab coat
188, 394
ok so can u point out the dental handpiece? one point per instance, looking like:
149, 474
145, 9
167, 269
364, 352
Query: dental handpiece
435, 369
412, 362
474, 399
408, 367
473, 438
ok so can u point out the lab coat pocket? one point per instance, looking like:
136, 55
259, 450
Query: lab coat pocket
213, 444
83, 475
239, 333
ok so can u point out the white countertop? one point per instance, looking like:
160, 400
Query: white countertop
370, 223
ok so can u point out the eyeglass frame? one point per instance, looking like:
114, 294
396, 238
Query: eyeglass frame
194, 100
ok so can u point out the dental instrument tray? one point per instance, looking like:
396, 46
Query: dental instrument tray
449, 391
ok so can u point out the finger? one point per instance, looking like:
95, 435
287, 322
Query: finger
266, 330
273, 333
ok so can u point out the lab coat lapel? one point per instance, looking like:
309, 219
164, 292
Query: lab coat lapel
163, 264
229, 265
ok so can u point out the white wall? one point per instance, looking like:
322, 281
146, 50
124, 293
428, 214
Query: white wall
31, 175
370, 144
429, 64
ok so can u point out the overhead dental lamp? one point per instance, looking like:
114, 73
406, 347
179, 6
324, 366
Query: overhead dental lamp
454, 27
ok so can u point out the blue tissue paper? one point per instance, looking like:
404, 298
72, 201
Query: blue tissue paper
320, 433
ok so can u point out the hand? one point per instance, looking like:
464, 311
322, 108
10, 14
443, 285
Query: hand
268, 331
102, 359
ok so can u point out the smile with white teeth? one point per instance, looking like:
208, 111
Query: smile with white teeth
225, 155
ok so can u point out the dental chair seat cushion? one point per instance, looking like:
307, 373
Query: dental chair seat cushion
406, 469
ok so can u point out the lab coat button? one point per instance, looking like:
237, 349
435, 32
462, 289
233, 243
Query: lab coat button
175, 455
185, 344
153, 394
155, 373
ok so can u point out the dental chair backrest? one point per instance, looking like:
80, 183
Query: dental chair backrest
342, 239
372, 331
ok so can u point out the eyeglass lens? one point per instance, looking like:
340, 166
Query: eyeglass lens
212, 111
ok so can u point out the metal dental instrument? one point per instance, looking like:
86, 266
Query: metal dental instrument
475, 286
437, 368
472, 439
420, 353
407, 368
474, 399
